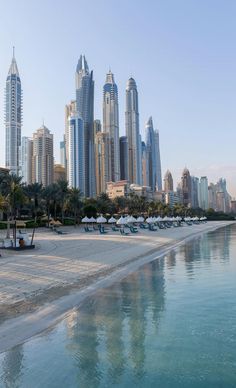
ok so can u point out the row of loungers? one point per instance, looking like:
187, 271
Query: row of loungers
134, 228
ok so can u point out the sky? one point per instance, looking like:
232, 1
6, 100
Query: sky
181, 54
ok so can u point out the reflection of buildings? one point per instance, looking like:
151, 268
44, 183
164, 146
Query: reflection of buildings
12, 367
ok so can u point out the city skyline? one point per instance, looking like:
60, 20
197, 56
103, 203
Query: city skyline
192, 121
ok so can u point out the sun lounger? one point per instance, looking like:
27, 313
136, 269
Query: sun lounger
123, 232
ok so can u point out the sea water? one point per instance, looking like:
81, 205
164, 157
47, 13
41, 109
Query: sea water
170, 324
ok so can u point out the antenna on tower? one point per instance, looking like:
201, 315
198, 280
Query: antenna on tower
13, 49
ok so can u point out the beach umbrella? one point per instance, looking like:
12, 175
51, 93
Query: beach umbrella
131, 220
121, 221
101, 220
85, 220
112, 220
92, 219
149, 220
140, 219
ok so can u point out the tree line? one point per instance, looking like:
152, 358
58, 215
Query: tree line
58, 201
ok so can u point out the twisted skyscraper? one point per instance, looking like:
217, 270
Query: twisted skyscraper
13, 118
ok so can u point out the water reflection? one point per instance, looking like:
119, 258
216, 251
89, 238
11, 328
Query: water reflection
137, 329
12, 367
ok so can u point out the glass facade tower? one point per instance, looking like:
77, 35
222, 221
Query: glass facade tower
13, 118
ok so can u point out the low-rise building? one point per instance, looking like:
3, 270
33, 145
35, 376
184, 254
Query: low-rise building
118, 189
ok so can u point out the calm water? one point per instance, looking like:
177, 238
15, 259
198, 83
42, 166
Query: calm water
170, 324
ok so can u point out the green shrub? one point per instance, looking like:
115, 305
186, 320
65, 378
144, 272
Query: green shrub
3, 226
69, 221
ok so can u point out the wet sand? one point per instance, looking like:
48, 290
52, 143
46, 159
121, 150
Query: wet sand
37, 288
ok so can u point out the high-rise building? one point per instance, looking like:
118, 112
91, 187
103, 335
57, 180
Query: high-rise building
70, 109
63, 152
26, 155
102, 145
85, 109
132, 133
203, 193
144, 164
124, 154
158, 160
13, 118
186, 186
153, 157
168, 182
97, 127
111, 126
76, 150
194, 192
42, 160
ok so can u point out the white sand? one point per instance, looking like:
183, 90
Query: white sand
64, 269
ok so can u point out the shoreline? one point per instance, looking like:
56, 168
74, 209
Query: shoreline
30, 317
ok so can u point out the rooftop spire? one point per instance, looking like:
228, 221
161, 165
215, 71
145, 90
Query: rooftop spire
13, 68
82, 64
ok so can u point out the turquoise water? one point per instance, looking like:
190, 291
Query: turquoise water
170, 324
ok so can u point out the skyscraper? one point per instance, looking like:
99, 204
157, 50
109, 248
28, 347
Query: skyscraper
153, 157
70, 109
111, 126
13, 117
102, 144
43, 160
76, 162
168, 182
203, 193
124, 154
186, 188
85, 109
26, 155
132, 133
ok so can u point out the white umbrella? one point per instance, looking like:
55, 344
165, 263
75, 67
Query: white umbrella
149, 220
112, 220
158, 219
85, 219
131, 220
92, 219
121, 221
140, 219
101, 220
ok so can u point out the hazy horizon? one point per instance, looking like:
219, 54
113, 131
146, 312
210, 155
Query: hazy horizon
181, 55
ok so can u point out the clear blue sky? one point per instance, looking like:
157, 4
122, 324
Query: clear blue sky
180, 52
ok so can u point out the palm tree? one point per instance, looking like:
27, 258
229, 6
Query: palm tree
48, 195
34, 193
74, 201
63, 192
104, 204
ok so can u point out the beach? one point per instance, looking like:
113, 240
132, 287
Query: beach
38, 287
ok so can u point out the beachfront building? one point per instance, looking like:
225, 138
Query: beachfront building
111, 126
203, 193
144, 163
154, 179
117, 189
13, 118
76, 150
101, 145
132, 133
124, 155
85, 109
42, 159
26, 155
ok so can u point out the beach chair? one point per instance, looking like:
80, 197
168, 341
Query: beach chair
115, 229
102, 230
123, 232
133, 230
86, 229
